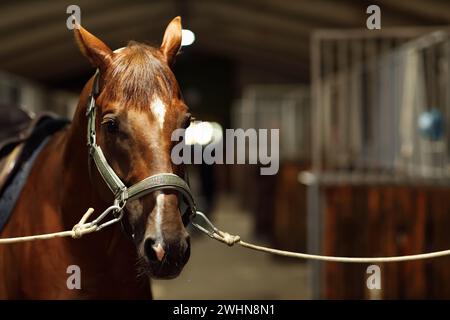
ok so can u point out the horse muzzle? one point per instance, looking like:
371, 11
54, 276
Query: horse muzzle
166, 259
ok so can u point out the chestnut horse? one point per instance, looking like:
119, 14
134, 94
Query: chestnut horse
139, 105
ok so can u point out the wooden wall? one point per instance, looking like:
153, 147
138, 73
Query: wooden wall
289, 222
386, 221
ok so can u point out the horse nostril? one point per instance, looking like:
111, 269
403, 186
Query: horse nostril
154, 251
159, 251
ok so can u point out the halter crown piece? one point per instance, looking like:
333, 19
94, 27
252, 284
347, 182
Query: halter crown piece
122, 193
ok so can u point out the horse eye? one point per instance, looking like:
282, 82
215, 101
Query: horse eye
110, 125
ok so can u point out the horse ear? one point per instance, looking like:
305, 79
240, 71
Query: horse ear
97, 52
172, 40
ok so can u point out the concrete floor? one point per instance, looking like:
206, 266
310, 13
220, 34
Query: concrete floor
216, 271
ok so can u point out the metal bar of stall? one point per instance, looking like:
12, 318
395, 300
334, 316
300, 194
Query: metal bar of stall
386, 33
314, 224
356, 133
333, 178
446, 93
316, 138
342, 103
372, 154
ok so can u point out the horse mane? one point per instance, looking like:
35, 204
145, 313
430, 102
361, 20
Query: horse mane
137, 75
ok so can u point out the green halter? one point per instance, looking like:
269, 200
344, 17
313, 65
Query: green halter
122, 193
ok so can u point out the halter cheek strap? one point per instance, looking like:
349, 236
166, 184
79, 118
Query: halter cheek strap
122, 193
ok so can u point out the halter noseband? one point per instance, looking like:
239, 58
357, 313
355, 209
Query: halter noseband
122, 193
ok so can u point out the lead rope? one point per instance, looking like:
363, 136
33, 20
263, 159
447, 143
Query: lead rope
231, 240
80, 229
83, 227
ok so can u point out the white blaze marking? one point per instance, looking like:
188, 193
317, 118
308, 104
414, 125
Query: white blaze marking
158, 217
159, 110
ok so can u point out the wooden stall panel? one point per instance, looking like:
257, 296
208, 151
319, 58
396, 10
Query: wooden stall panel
343, 238
386, 221
438, 238
289, 225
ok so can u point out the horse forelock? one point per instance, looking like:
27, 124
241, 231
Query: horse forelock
138, 76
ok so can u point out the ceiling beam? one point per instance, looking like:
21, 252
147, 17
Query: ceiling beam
245, 53
436, 12
329, 13
18, 18
59, 52
317, 14
228, 10
56, 32
261, 39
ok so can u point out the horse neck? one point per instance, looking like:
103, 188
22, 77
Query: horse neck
77, 193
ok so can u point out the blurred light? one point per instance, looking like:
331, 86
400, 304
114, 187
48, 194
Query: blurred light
217, 132
203, 133
187, 37
431, 124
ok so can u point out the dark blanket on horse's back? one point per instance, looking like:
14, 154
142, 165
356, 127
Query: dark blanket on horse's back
31, 135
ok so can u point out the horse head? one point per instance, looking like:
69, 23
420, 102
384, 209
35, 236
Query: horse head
138, 106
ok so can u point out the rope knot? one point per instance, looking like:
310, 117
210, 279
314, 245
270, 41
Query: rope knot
229, 239
77, 231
